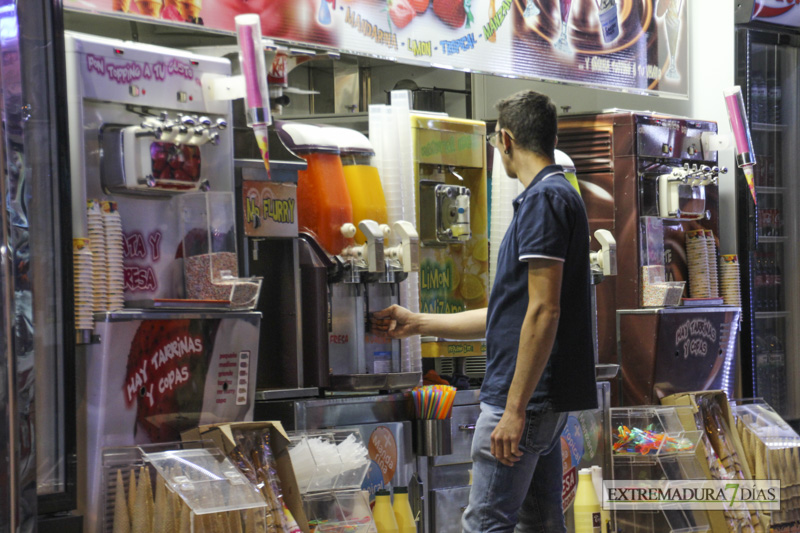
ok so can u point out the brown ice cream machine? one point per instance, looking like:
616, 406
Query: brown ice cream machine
651, 180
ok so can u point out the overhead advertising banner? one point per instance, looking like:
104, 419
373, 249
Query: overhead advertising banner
636, 45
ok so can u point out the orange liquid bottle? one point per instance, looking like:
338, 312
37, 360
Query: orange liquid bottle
323, 202
366, 192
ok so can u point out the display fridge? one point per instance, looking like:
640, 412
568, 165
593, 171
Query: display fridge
37, 398
768, 70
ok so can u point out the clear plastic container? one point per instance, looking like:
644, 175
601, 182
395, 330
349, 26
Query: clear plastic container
662, 422
337, 511
210, 264
200, 485
329, 460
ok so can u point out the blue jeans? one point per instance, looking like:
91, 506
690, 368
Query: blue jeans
526, 496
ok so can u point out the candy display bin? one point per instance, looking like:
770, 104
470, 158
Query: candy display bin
341, 510
207, 488
210, 264
651, 443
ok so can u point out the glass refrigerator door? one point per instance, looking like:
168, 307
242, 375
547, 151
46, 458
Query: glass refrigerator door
768, 67
38, 336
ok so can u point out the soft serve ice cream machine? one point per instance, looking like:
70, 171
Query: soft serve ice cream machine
147, 140
651, 181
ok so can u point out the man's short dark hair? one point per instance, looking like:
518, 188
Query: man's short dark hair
532, 119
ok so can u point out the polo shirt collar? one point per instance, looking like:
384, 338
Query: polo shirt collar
549, 169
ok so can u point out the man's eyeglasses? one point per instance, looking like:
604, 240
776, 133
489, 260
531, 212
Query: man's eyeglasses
494, 137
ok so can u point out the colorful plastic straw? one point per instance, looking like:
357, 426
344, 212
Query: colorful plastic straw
433, 401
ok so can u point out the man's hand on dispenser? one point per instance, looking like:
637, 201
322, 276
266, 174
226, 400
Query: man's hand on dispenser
395, 322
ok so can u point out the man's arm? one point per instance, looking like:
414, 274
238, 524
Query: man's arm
398, 323
536, 340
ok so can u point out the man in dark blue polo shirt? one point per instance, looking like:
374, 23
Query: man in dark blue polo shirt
540, 361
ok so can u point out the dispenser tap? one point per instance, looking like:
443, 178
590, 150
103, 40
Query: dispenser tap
373, 249
606, 258
407, 252
452, 171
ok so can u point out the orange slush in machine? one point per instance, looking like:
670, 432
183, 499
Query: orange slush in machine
323, 202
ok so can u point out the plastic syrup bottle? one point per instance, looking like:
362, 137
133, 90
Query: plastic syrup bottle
402, 511
586, 506
597, 480
383, 514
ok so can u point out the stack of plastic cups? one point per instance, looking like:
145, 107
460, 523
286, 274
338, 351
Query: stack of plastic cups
112, 224
97, 245
409, 294
384, 129
83, 282
504, 190
713, 270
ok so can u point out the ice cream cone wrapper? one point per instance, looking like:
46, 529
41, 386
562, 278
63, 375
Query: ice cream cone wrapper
150, 8
122, 519
132, 495
121, 5
190, 10
749, 178
262, 134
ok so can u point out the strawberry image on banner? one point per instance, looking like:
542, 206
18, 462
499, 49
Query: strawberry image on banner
167, 367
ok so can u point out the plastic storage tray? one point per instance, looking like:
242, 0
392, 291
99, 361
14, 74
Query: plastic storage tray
338, 511
672, 459
660, 421
203, 478
328, 460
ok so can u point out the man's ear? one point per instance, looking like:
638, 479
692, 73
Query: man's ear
555, 143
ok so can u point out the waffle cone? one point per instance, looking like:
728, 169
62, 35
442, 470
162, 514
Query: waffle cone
143, 512
161, 511
185, 525
151, 8
132, 495
234, 522
122, 519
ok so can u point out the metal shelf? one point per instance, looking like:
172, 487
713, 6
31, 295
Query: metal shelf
760, 126
771, 314
770, 190
765, 239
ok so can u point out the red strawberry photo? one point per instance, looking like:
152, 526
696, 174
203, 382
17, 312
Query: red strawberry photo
420, 6
451, 12
401, 12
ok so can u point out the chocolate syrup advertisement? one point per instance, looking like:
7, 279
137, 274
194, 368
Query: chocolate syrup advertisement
633, 45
